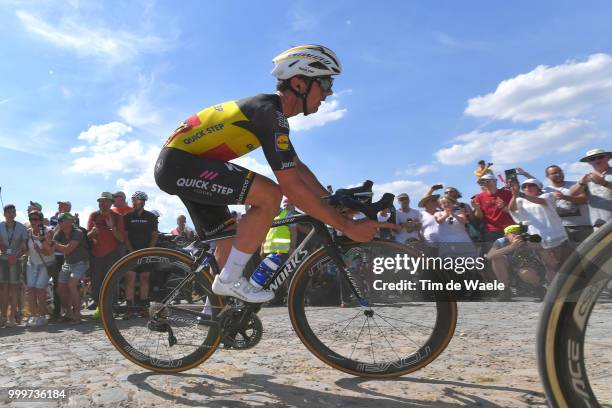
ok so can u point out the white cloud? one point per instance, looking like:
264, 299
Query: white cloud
509, 146
328, 112
3, 101
546, 93
107, 151
418, 170
138, 111
71, 33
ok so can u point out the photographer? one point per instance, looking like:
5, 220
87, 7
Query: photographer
490, 207
504, 258
454, 240
41, 258
538, 211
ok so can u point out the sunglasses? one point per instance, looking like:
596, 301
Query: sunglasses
593, 158
34, 219
325, 83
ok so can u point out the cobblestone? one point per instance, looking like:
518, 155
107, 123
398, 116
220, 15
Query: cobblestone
491, 364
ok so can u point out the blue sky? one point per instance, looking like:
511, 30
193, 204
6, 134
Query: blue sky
90, 90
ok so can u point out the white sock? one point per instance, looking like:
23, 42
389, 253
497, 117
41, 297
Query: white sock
236, 261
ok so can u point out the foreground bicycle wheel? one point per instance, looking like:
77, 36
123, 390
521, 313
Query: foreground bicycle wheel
175, 340
394, 336
574, 336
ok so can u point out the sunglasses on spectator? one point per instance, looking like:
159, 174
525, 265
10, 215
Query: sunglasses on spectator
325, 83
593, 158
34, 219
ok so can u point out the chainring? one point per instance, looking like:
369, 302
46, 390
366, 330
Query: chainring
240, 329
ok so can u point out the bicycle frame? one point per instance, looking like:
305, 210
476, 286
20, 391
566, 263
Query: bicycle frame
286, 269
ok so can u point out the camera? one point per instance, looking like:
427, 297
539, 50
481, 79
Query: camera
41, 230
510, 175
527, 237
489, 164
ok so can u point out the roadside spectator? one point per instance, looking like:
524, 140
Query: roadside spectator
490, 206
106, 232
141, 232
454, 240
281, 240
572, 209
483, 169
40, 260
13, 237
409, 219
386, 215
537, 210
54, 272
70, 241
120, 206
429, 225
504, 259
598, 186
62, 207
182, 230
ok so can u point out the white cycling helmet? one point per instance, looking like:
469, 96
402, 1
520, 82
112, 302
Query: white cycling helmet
308, 60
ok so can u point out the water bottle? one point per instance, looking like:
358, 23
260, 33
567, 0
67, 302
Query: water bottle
265, 269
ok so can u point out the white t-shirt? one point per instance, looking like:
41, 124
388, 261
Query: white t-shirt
430, 227
452, 232
400, 218
571, 214
34, 258
542, 219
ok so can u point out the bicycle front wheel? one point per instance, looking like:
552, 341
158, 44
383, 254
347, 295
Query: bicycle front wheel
394, 335
574, 346
177, 330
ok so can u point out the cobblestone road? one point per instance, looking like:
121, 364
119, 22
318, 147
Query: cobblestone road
489, 363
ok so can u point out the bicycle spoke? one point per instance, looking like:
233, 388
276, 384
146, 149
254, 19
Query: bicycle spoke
394, 328
404, 321
358, 336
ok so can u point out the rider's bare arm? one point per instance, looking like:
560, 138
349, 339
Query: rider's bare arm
310, 179
302, 195
293, 186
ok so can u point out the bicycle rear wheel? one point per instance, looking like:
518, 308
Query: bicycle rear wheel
171, 334
574, 346
394, 336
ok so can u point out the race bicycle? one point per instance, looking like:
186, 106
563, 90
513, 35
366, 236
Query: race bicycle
574, 336
370, 335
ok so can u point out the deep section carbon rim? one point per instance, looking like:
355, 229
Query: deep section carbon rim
169, 335
395, 335
574, 346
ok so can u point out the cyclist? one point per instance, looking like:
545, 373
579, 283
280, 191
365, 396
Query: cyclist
194, 165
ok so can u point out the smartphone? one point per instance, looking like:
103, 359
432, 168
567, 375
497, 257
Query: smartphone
510, 174
437, 186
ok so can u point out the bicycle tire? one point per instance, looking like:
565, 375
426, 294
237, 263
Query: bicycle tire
429, 350
567, 309
197, 357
